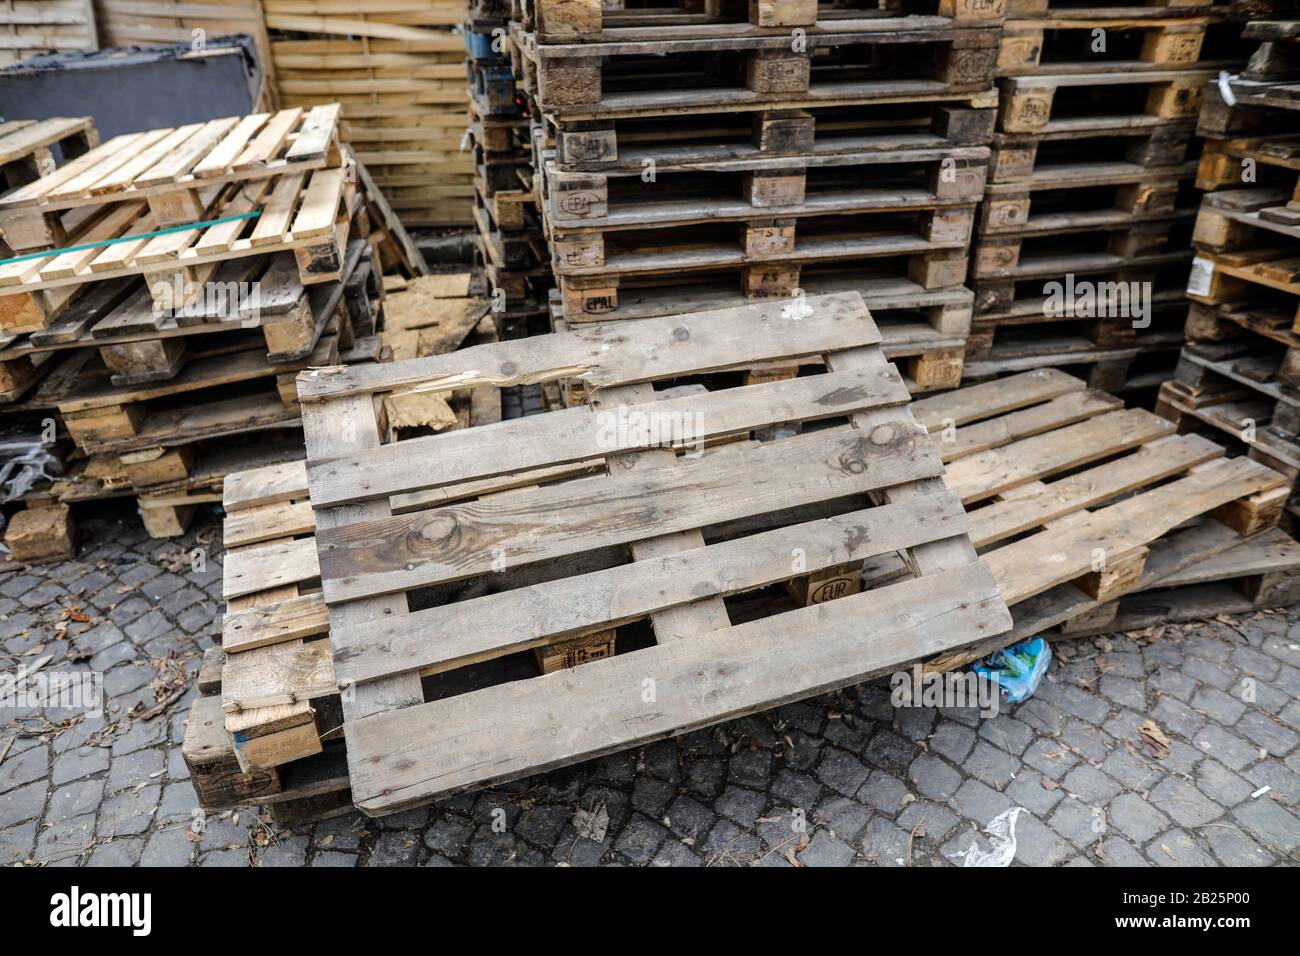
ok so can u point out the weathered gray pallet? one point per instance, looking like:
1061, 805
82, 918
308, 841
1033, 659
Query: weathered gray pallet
572, 536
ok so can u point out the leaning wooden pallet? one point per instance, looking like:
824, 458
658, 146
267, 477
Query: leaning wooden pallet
1237, 373
1259, 574
399, 72
1090, 185
658, 353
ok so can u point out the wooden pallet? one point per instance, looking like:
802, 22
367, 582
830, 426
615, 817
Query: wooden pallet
142, 343
30, 28
768, 254
1014, 456
28, 148
772, 138
173, 170
843, 61
1068, 156
844, 183
1091, 102
587, 21
1088, 199
649, 350
1075, 501
306, 214
1135, 238
1068, 44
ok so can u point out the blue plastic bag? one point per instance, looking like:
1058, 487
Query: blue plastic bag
1017, 669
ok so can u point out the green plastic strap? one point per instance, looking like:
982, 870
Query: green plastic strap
144, 235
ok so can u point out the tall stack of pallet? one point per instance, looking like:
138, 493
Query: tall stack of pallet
1090, 189
511, 250
1239, 373
697, 157
169, 352
397, 68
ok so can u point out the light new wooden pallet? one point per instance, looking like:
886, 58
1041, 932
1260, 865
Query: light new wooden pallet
156, 165
653, 349
307, 214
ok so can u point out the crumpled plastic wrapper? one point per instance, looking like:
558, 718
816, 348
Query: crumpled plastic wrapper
25, 462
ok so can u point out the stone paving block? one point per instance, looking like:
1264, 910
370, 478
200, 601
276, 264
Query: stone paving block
1176, 848
885, 792
796, 789
979, 802
1235, 848
841, 771
933, 777
1136, 818
1006, 733
1027, 791
1267, 732
1079, 823
1270, 823
952, 740
1226, 747
1050, 758
989, 764
1115, 852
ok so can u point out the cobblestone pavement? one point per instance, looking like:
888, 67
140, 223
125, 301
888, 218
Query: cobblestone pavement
870, 785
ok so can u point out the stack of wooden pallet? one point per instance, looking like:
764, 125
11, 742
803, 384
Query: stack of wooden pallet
1090, 188
511, 250
564, 559
31, 27
1239, 373
695, 158
157, 342
397, 68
